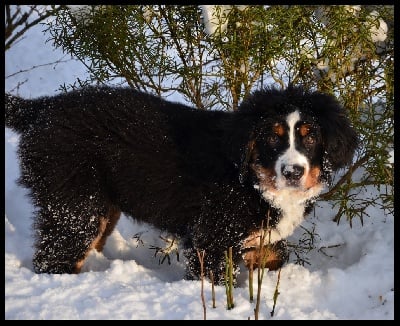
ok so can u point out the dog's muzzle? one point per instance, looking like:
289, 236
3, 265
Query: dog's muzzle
292, 174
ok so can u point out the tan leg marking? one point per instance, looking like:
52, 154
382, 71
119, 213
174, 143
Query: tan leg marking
107, 225
252, 255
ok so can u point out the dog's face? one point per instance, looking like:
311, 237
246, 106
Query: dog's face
287, 153
296, 143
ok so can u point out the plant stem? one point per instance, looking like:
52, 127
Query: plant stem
251, 277
212, 289
231, 275
276, 293
201, 259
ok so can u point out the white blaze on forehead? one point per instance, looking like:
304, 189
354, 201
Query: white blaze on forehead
292, 156
291, 120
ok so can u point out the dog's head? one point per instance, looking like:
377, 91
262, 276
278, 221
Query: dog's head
296, 140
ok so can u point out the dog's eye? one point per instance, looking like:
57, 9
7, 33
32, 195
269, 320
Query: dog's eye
273, 139
309, 139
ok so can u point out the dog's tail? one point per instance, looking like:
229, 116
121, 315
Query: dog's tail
20, 114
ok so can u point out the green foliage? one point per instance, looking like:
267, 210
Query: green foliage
164, 49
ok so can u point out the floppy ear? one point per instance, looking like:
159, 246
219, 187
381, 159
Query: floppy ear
239, 141
246, 157
340, 140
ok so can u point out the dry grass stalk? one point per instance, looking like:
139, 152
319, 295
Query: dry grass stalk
262, 259
260, 270
228, 279
201, 259
276, 292
212, 289
251, 277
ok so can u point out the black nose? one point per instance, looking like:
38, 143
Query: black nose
292, 172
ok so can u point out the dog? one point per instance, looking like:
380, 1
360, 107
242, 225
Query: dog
210, 178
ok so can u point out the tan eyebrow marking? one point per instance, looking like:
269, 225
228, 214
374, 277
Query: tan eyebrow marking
279, 129
304, 129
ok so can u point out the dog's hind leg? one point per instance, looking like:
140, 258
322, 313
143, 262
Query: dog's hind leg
111, 221
66, 236
107, 225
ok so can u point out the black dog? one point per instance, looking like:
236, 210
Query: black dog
208, 177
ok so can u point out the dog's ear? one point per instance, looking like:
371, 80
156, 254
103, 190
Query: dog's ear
245, 161
340, 139
239, 141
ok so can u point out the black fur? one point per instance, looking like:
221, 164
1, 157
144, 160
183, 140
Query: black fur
87, 153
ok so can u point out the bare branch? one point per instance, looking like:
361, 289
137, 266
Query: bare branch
19, 19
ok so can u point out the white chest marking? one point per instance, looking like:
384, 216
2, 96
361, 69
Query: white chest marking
291, 200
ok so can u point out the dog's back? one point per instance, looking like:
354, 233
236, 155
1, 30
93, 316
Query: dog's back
89, 154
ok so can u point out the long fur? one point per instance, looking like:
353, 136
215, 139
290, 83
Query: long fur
89, 154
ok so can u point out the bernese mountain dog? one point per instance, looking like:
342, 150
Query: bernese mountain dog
209, 178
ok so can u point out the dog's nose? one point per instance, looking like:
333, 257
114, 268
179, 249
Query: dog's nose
292, 172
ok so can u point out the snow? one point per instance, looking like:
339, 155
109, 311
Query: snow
215, 18
350, 274
378, 34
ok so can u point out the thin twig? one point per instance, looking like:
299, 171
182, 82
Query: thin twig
230, 275
201, 259
251, 277
262, 260
321, 249
212, 289
228, 289
276, 293
37, 66
345, 177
